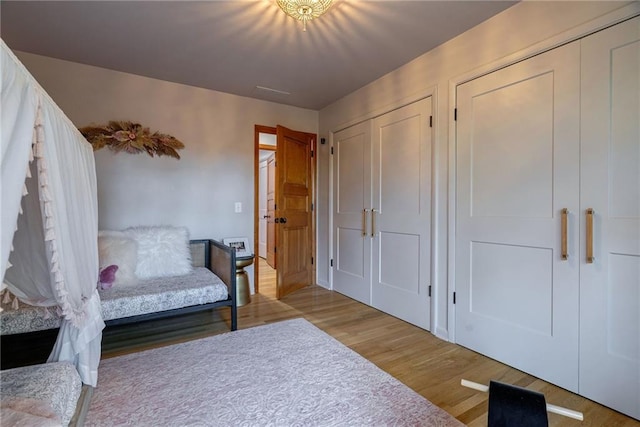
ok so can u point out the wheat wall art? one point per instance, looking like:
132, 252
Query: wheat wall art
131, 138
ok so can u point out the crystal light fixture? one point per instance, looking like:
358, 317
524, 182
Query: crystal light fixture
304, 10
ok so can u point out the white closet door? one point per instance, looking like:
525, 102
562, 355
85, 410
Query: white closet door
262, 210
351, 223
517, 168
610, 185
401, 256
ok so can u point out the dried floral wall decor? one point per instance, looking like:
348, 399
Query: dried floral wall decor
131, 138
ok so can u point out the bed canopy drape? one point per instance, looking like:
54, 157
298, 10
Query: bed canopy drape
48, 245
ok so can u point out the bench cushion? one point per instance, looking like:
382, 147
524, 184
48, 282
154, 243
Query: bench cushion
27, 318
148, 296
163, 293
56, 384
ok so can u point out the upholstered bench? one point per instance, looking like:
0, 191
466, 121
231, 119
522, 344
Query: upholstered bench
150, 298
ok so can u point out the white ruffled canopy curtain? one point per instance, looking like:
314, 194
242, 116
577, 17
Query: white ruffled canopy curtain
48, 245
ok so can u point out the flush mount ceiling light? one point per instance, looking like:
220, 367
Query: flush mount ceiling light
304, 10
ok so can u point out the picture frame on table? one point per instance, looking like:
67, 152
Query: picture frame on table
240, 244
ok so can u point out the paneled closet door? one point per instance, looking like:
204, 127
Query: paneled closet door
352, 212
401, 215
610, 185
262, 210
517, 170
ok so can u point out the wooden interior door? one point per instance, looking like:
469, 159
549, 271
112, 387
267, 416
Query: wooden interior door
271, 212
293, 210
517, 164
610, 185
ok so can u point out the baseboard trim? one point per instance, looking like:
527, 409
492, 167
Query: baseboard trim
442, 333
324, 284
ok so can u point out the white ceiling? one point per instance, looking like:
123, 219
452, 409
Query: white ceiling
234, 46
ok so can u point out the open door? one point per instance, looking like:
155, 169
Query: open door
293, 210
271, 214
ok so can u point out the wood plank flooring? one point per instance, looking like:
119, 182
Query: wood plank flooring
267, 278
428, 365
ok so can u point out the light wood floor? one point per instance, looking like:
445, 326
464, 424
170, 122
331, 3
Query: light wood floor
267, 278
428, 365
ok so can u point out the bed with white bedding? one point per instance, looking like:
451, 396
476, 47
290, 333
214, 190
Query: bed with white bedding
45, 394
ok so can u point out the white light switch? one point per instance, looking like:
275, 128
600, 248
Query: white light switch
238, 207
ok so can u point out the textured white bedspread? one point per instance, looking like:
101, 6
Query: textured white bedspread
55, 384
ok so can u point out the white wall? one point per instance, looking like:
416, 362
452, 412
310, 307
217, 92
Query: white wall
511, 33
217, 165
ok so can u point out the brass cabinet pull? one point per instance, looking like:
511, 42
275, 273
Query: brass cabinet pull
590, 257
364, 222
373, 222
563, 225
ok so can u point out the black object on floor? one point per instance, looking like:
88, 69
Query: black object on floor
511, 406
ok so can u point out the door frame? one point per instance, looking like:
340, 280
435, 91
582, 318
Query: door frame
258, 129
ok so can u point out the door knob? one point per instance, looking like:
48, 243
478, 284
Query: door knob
280, 220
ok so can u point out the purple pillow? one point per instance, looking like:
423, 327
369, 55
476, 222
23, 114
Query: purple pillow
107, 277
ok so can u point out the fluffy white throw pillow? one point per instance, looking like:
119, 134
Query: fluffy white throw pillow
163, 251
117, 248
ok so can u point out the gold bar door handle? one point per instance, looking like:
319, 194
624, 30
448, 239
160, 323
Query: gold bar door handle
373, 223
364, 222
564, 255
590, 258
